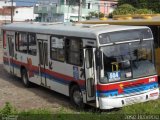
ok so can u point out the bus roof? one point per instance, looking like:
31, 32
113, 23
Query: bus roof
124, 21
78, 30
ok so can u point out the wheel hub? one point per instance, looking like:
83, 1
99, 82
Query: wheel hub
77, 96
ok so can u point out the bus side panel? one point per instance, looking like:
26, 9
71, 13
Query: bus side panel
63, 74
5, 52
9, 53
157, 56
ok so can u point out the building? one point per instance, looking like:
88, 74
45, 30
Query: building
65, 11
6, 3
5, 14
25, 13
107, 6
5, 9
19, 14
59, 11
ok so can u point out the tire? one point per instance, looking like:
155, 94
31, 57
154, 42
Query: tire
76, 97
25, 80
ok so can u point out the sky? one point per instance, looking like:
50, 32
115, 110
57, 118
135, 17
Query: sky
25, 2
29, 2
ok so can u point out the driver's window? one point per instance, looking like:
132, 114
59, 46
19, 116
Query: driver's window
117, 63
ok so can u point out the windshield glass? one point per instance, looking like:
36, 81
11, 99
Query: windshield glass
125, 35
126, 61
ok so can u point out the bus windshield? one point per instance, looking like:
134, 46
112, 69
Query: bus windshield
127, 61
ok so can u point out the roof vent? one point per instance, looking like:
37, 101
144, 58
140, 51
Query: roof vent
94, 25
53, 23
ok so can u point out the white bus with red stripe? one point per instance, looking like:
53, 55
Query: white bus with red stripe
105, 66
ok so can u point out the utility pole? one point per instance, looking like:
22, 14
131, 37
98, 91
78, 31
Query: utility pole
80, 10
11, 11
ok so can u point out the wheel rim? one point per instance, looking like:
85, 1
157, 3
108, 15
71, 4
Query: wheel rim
77, 96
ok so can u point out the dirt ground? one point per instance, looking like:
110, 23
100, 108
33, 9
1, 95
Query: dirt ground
13, 91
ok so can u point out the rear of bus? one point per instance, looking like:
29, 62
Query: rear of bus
127, 74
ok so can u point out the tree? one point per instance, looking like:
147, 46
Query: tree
74, 2
143, 4
124, 9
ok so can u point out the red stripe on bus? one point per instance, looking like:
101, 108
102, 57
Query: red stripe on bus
47, 71
125, 84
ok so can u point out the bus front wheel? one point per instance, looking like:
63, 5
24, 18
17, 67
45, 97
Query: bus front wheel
76, 97
25, 80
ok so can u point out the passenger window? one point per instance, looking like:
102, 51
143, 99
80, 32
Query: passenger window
21, 42
74, 51
4, 39
57, 48
16, 41
32, 44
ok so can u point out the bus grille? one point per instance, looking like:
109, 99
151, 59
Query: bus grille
134, 89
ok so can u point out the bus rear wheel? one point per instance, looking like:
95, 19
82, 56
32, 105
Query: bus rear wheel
25, 80
76, 97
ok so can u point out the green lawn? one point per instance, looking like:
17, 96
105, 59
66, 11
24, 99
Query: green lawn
147, 108
151, 107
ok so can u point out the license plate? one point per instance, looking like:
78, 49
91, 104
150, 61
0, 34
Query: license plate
133, 100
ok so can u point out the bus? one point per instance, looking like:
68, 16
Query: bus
152, 21
105, 66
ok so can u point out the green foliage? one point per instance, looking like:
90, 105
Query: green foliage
143, 4
8, 109
35, 114
151, 107
124, 9
96, 15
74, 2
92, 14
147, 108
144, 11
110, 15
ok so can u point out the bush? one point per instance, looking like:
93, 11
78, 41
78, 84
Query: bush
110, 15
8, 109
129, 9
124, 9
96, 14
143, 4
144, 11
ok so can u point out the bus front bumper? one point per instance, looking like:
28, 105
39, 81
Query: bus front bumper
120, 101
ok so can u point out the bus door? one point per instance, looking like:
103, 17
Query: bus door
89, 55
43, 60
10, 39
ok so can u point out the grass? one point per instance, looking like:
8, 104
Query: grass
148, 108
151, 107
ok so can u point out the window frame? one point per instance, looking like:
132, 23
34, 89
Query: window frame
4, 39
70, 51
29, 44
58, 36
17, 42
